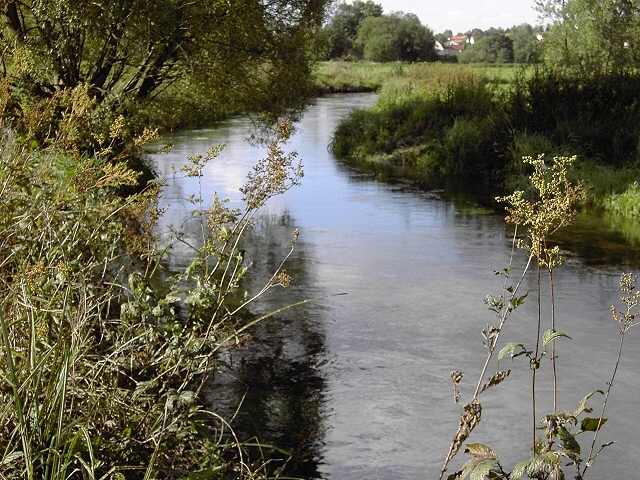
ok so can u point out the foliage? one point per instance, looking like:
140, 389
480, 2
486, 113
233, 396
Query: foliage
590, 36
450, 132
251, 54
526, 46
558, 450
490, 48
594, 116
627, 203
103, 353
396, 37
342, 29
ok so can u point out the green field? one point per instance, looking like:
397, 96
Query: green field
337, 76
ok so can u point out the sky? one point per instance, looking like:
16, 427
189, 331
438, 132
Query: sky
463, 15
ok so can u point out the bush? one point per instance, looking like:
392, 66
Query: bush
598, 117
474, 150
397, 37
104, 354
452, 132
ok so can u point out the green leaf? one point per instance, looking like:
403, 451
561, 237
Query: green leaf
551, 335
592, 424
512, 349
569, 443
517, 301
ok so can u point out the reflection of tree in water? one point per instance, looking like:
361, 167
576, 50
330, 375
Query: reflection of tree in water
277, 371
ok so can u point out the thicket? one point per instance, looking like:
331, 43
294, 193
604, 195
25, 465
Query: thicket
103, 351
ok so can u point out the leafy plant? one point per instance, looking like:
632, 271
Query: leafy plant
103, 352
550, 208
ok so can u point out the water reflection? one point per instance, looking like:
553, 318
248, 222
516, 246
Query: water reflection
357, 385
279, 375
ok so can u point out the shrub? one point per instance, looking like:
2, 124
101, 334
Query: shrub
103, 353
596, 116
474, 148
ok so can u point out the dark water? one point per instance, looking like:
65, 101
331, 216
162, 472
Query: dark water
356, 385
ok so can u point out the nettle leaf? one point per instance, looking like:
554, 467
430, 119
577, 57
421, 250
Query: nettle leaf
569, 442
583, 406
592, 424
543, 465
551, 335
512, 349
517, 301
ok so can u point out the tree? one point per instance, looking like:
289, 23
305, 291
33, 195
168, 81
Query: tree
526, 46
342, 29
397, 37
493, 47
135, 48
590, 36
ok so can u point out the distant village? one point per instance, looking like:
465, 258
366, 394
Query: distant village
452, 45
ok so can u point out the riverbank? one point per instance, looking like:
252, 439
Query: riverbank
460, 128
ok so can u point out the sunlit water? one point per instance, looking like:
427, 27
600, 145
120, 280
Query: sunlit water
356, 385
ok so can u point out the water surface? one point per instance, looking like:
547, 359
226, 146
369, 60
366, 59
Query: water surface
356, 385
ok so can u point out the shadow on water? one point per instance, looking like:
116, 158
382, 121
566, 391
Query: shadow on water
277, 379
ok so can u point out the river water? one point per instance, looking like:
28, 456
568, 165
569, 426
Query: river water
356, 385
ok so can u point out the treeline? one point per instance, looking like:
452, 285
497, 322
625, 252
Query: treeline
518, 44
361, 31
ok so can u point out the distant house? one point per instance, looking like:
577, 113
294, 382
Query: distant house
454, 45
457, 42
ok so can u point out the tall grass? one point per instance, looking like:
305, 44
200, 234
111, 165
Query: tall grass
451, 131
103, 353
340, 77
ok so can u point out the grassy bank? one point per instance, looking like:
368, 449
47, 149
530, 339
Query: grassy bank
469, 127
105, 351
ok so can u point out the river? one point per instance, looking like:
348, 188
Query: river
356, 385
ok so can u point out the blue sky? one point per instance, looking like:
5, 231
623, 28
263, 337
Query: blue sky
463, 15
